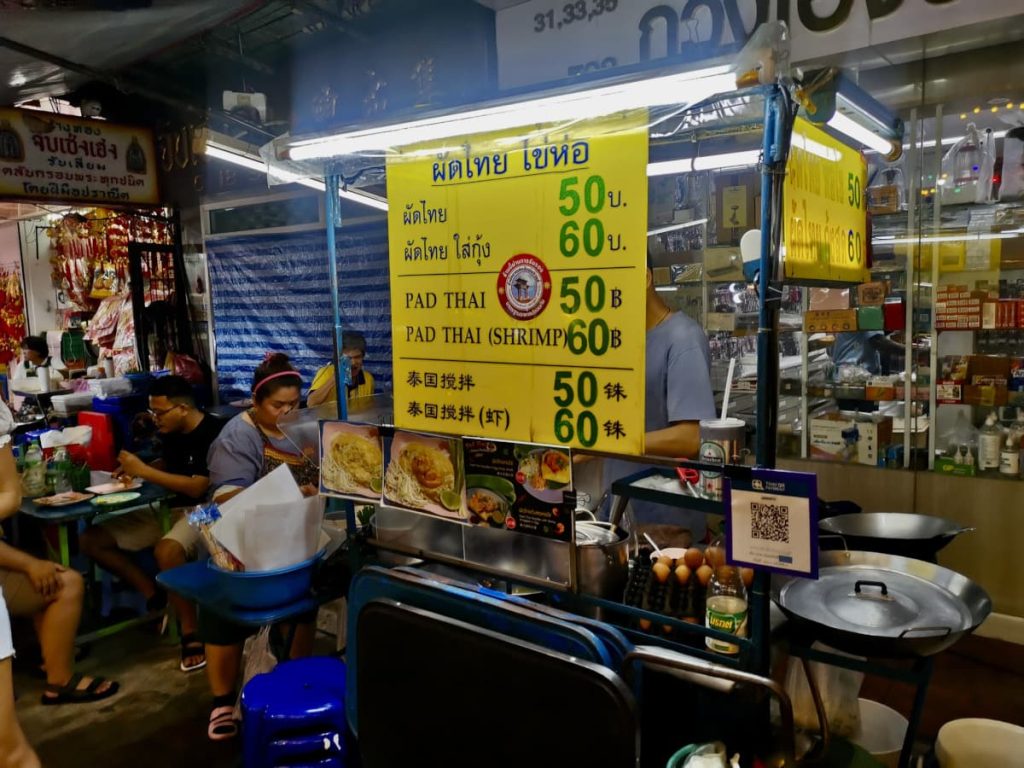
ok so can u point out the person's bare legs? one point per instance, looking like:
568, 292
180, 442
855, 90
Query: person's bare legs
170, 554
302, 643
15, 751
98, 543
56, 626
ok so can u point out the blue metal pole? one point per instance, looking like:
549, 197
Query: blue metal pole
767, 333
334, 220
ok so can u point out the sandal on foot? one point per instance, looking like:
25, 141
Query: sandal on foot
223, 725
70, 693
191, 647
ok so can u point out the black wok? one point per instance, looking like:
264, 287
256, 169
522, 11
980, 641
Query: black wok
874, 604
896, 533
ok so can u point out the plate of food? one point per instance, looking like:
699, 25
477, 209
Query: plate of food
422, 474
111, 500
488, 499
545, 473
115, 486
63, 499
352, 462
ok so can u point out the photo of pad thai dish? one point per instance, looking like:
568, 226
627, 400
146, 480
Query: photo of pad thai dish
353, 462
422, 475
545, 473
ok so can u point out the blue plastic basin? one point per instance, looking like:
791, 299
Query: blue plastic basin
266, 589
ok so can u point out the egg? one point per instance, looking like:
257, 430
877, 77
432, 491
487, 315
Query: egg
693, 558
645, 624
683, 574
663, 560
747, 574
704, 575
661, 571
716, 556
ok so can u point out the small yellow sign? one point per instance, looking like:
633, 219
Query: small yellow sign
825, 217
518, 285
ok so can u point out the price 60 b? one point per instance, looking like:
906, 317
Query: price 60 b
572, 197
569, 424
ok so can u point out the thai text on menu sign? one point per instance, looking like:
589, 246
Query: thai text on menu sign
518, 284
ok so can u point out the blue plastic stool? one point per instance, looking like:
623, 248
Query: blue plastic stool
295, 715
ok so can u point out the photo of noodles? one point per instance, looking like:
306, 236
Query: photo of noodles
422, 475
352, 461
545, 473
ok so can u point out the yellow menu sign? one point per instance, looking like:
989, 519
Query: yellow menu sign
518, 283
825, 220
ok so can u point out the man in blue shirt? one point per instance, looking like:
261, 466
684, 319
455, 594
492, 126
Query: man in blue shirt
678, 395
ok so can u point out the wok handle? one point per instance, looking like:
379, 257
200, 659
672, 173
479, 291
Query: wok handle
880, 584
946, 631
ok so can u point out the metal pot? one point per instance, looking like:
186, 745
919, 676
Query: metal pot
916, 536
875, 604
602, 559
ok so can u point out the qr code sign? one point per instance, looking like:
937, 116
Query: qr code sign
769, 522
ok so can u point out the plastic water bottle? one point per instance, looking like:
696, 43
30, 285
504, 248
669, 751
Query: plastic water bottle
33, 481
61, 471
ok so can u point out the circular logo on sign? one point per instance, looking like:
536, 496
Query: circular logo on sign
524, 286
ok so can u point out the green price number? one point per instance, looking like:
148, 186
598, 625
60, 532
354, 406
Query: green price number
571, 390
592, 336
854, 246
582, 426
584, 392
593, 295
592, 198
853, 190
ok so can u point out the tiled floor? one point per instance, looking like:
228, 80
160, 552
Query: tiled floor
159, 718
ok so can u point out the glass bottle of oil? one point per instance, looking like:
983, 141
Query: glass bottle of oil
726, 608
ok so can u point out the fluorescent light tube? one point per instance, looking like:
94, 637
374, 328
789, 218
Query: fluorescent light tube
705, 163
254, 164
674, 227
854, 130
686, 87
1008, 235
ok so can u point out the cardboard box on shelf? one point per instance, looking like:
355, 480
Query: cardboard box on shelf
895, 315
837, 438
662, 275
986, 394
830, 321
949, 392
721, 321
820, 390
870, 318
829, 298
882, 388
945, 465
992, 366
850, 392
723, 263
871, 294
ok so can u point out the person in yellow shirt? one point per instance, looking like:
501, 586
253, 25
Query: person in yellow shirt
322, 390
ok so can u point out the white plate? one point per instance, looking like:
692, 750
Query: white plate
113, 487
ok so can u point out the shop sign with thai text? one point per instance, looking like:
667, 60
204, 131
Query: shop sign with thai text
518, 284
544, 40
50, 157
825, 220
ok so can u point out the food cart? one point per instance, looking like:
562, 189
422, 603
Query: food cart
516, 230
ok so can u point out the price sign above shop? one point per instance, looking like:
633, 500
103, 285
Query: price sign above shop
825, 218
518, 284
772, 521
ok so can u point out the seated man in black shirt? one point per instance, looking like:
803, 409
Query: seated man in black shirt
185, 435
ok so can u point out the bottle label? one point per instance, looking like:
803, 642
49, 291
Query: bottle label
726, 618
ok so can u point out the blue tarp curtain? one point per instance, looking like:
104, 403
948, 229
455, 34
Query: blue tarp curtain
273, 293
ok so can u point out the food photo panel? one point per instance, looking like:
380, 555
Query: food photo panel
424, 473
351, 461
519, 487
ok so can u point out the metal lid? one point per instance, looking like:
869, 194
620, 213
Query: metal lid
875, 601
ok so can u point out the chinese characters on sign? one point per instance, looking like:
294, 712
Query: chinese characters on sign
518, 285
54, 157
